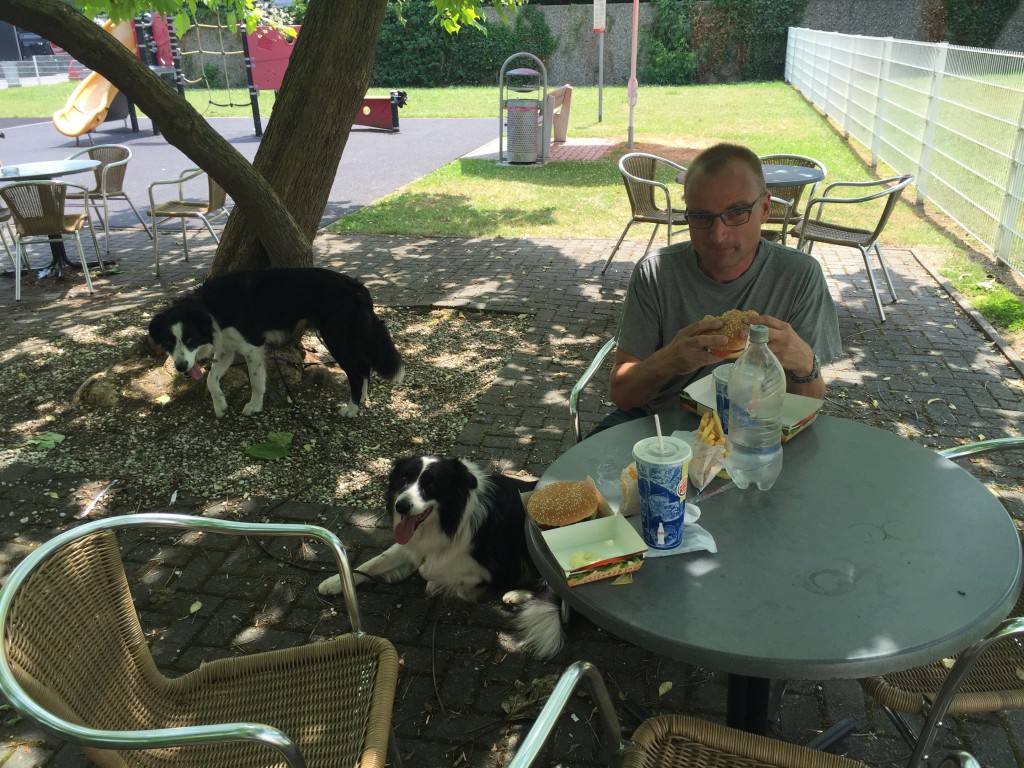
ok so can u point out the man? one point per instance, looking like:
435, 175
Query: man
664, 343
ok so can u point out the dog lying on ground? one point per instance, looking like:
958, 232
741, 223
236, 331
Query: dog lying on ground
242, 312
465, 532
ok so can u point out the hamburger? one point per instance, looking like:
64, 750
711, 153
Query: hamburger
734, 323
563, 503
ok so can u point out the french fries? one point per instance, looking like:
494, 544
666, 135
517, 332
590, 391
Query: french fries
710, 429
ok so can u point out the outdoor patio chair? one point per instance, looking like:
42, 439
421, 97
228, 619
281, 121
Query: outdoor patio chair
650, 199
581, 384
785, 210
677, 741
5, 223
815, 229
985, 678
184, 208
109, 181
75, 661
38, 211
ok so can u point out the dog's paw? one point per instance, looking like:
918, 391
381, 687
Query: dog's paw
251, 408
331, 586
349, 410
516, 596
220, 406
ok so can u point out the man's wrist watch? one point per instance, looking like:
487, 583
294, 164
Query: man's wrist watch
814, 374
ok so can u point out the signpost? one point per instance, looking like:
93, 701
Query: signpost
600, 27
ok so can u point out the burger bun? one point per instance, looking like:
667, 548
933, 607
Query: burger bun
563, 503
734, 323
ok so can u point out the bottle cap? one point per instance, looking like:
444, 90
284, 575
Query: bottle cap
758, 334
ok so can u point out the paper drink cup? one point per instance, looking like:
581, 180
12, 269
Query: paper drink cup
721, 376
661, 482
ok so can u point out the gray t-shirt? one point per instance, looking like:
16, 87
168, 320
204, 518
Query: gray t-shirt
668, 291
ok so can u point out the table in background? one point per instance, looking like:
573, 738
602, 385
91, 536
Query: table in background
871, 554
781, 176
43, 171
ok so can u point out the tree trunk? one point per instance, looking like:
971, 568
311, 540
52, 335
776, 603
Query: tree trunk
322, 90
282, 241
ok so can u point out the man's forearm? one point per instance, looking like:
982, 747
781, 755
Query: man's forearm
635, 382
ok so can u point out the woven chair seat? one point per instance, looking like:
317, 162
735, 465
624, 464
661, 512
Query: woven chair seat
677, 740
78, 649
180, 208
44, 226
836, 234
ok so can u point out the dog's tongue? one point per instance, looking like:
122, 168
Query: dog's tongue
405, 529
195, 372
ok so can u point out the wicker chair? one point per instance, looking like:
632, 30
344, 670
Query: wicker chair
984, 678
814, 230
784, 212
109, 181
644, 189
75, 661
38, 211
676, 741
182, 208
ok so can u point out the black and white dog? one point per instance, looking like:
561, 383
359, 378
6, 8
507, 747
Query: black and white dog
241, 312
464, 531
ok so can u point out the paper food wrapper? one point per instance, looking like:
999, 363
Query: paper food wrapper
630, 491
707, 461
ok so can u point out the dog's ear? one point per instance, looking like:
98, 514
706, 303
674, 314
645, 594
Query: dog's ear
466, 474
158, 320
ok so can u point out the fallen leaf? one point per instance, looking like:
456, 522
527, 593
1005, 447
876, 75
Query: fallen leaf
163, 399
626, 578
664, 687
52, 495
948, 662
195, 607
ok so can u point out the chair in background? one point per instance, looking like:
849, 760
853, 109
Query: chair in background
75, 661
677, 741
109, 181
784, 212
183, 208
814, 229
985, 678
650, 200
38, 211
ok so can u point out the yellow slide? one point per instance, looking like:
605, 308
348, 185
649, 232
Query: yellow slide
88, 105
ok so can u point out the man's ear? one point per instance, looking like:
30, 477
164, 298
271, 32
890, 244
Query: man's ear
766, 206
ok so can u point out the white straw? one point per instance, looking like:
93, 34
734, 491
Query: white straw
661, 440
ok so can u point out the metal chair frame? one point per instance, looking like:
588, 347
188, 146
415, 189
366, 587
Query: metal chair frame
786, 200
812, 229
110, 181
40, 565
206, 211
49, 223
638, 171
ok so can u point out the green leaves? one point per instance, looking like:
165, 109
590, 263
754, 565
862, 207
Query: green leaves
274, 447
46, 441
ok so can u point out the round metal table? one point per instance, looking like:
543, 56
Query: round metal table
781, 175
871, 554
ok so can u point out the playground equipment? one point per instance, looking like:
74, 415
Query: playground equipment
96, 100
269, 51
88, 105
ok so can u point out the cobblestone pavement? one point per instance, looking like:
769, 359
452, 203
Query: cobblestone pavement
457, 666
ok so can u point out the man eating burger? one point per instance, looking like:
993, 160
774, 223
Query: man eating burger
671, 331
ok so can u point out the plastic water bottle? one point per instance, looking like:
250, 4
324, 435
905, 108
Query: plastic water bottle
757, 386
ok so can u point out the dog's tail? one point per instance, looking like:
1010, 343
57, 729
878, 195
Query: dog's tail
380, 350
539, 625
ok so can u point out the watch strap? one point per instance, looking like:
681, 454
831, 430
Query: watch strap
814, 374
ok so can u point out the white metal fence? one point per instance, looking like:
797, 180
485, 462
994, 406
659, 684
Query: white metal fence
37, 70
952, 116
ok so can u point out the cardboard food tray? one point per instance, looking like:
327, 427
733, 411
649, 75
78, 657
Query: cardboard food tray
798, 411
596, 549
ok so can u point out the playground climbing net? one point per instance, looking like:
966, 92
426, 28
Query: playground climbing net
221, 55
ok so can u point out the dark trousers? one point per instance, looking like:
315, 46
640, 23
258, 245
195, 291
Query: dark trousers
618, 416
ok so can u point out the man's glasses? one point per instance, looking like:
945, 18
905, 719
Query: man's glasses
734, 217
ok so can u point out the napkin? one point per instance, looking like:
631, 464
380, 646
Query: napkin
695, 538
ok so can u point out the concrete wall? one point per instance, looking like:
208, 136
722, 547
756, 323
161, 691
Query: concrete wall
874, 18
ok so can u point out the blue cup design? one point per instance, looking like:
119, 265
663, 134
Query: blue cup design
661, 482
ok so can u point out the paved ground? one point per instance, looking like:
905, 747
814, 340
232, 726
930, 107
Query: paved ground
457, 669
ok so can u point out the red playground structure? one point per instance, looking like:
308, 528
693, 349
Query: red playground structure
268, 52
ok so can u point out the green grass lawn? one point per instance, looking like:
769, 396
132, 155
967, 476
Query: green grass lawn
478, 198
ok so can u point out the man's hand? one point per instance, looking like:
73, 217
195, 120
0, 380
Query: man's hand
794, 353
635, 382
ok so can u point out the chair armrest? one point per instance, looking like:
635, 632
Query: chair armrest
584, 380
789, 210
578, 672
185, 175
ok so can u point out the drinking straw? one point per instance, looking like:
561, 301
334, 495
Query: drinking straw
661, 440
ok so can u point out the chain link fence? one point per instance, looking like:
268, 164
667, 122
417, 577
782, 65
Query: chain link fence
950, 115
38, 70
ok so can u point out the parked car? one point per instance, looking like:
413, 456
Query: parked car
33, 45
78, 71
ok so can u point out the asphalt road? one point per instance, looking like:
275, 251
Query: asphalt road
375, 163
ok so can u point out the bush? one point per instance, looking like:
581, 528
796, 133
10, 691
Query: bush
751, 33
977, 23
414, 51
666, 46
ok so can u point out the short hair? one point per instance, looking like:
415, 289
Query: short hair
714, 159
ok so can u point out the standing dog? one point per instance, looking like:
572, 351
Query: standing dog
242, 312
465, 532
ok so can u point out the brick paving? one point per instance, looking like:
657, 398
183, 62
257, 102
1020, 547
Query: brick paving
457, 666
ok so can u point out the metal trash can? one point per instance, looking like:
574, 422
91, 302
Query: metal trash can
522, 118
523, 130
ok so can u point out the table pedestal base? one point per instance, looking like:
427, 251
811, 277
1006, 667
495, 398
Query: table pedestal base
747, 707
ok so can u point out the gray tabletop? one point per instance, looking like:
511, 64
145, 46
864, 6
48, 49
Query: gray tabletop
790, 175
870, 554
46, 169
